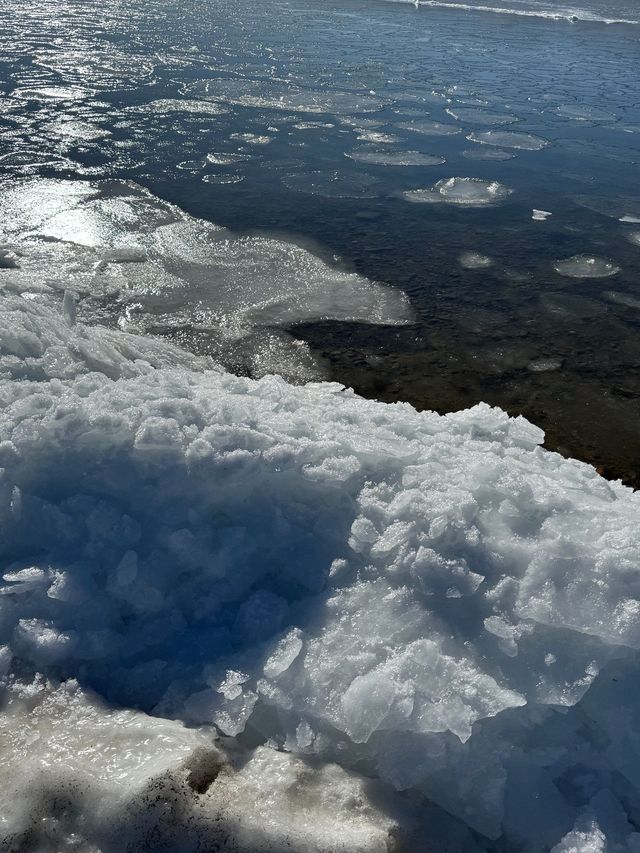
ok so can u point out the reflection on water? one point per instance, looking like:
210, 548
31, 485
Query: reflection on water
324, 121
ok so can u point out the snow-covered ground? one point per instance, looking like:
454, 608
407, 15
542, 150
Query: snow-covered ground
411, 631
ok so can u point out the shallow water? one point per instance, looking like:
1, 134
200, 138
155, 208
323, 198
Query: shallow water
323, 121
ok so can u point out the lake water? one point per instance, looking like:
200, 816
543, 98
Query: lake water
481, 158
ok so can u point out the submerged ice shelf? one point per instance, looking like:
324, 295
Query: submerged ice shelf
130, 257
432, 600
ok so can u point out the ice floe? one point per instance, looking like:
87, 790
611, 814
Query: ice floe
474, 261
509, 139
387, 157
586, 266
467, 192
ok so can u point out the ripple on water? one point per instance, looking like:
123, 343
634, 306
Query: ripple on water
467, 192
585, 266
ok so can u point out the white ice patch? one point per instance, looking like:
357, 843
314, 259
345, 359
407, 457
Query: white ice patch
585, 266
466, 192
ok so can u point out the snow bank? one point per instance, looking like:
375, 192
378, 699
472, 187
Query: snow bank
433, 602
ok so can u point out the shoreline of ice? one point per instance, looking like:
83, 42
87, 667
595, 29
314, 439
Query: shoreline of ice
410, 625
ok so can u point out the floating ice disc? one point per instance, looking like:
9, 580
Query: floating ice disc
474, 261
395, 158
509, 139
585, 266
469, 192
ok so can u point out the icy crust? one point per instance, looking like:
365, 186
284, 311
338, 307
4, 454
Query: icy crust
77, 775
433, 600
130, 259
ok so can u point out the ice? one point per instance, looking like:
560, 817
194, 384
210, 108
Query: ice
185, 272
586, 266
76, 774
435, 600
282, 97
430, 128
509, 139
252, 138
376, 137
488, 154
583, 112
466, 192
167, 106
474, 261
544, 365
479, 116
394, 158
622, 299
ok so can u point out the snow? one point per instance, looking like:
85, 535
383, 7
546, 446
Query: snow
336, 586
